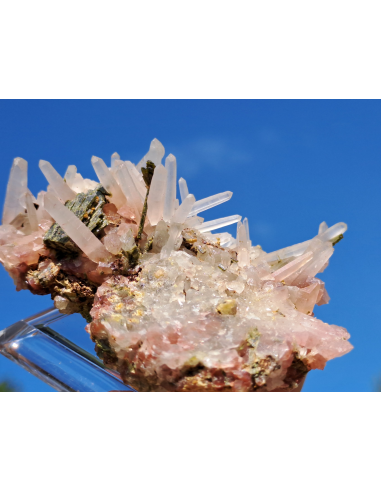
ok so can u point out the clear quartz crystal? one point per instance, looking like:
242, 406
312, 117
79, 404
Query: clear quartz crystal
42, 214
128, 187
210, 202
157, 195
108, 181
170, 197
114, 157
218, 223
75, 229
32, 212
113, 243
137, 179
246, 224
182, 212
183, 189
76, 182
333, 231
322, 228
61, 189
194, 221
174, 233
291, 268
242, 240
16, 189
127, 240
155, 154
70, 175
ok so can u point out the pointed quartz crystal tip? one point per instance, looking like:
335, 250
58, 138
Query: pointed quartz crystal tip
75, 229
16, 189
334, 231
218, 223
108, 181
210, 202
322, 227
155, 154
70, 175
61, 189
183, 189
246, 225
115, 157
325, 234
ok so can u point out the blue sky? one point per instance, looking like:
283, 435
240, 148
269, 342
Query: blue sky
290, 164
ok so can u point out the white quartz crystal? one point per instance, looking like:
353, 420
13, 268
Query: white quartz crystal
61, 189
108, 181
127, 185
182, 212
115, 157
156, 195
333, 231
113, 243
288, 271
325, 234
242, 240
322, 227
155, 154
194, 221
246, 224
31, 211
211, 225
75, 229
42, 214
127, 240
70, 175
174, 234
170, 196
183, 189
76, 182
137, 179
210, 202
16, 189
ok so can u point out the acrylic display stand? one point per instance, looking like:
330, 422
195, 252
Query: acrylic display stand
37, 344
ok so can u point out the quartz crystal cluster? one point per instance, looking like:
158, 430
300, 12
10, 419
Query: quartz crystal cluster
171, 303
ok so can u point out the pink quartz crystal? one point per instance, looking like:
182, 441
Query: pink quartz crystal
171, 305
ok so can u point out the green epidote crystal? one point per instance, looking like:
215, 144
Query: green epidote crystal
148, 173
147, 176
88, 207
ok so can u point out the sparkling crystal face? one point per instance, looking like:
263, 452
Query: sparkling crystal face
171, 305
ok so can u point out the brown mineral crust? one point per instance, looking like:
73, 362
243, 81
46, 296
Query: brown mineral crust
195, 378
51, 279
296, 372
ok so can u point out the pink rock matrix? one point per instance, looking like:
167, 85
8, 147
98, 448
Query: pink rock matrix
171, 305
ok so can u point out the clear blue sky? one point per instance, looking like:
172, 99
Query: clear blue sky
289, 164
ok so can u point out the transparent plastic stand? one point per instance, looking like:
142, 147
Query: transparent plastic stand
38, 345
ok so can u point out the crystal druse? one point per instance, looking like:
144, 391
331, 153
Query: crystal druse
170, 305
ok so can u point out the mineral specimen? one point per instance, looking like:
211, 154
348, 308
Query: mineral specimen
170, 305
